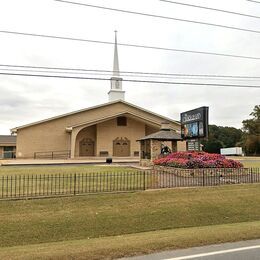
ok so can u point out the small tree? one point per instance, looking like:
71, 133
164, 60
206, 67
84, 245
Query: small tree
221, 137
251, 136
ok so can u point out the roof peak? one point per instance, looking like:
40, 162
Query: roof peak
14, 130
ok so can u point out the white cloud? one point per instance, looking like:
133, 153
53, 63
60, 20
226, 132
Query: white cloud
24, 100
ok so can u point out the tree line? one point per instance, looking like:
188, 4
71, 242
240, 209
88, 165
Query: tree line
248, 137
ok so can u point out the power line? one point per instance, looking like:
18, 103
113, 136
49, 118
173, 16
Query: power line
125, 75
253, 1
160, 16
133, 80
100, 74
128, 44
211, 9
130, 72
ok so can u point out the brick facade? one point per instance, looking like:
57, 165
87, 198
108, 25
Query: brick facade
98, 123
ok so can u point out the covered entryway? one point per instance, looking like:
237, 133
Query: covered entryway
155, 145
121, 147
86, 147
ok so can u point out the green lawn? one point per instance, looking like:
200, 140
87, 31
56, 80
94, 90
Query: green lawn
134, 244
248, 161
69, 169
254, 164
86, 217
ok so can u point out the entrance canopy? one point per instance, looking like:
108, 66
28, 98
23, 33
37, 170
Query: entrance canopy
163, 135
154, 145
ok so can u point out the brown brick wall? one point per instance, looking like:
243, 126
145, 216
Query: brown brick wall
181, 146
52, 136
109, 131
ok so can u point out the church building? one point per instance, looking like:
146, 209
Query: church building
107, 130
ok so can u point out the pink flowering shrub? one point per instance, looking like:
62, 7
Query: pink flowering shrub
192, 160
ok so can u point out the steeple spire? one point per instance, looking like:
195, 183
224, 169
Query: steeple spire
116, 62
116, 92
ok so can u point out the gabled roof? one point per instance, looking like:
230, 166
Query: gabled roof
168, 135
105, 118
7, 139
13, 130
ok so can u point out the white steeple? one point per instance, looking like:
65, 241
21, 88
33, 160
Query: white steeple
116, 91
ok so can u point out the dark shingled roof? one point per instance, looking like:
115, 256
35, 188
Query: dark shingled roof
166, 135
7, 139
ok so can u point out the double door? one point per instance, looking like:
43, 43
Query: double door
121, 147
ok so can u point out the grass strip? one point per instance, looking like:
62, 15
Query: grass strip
68, 169
135, 244
94, 216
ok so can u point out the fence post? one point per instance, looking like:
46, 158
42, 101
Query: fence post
52, 155
144, 181
75, 182
203, 175
251, 174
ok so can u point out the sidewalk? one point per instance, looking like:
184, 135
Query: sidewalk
23, 162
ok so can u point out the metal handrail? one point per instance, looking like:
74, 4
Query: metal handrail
52, 154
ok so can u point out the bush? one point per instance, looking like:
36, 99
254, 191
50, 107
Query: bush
193, 160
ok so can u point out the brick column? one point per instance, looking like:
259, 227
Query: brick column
155, 149
174, 146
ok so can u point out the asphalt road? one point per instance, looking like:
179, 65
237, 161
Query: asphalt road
243, 250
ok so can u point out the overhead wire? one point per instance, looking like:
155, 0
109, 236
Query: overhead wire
159, 16
129, 45
253, 1
210, 8
132, 80
137, 73
104, 74
125, 75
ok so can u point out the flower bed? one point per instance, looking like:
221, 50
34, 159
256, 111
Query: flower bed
194, 160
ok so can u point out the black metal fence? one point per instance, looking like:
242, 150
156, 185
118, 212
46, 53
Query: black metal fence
52, 185
171, 178
49, 185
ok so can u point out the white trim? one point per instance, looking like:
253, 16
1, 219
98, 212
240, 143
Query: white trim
14, 130
103, 119
214, 253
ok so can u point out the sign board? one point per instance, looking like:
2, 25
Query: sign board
193, 145
194, 123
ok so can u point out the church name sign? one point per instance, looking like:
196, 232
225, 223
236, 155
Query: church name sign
189, 118
194, 123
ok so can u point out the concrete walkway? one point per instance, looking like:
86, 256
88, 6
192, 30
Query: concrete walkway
244, 158
96, 160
